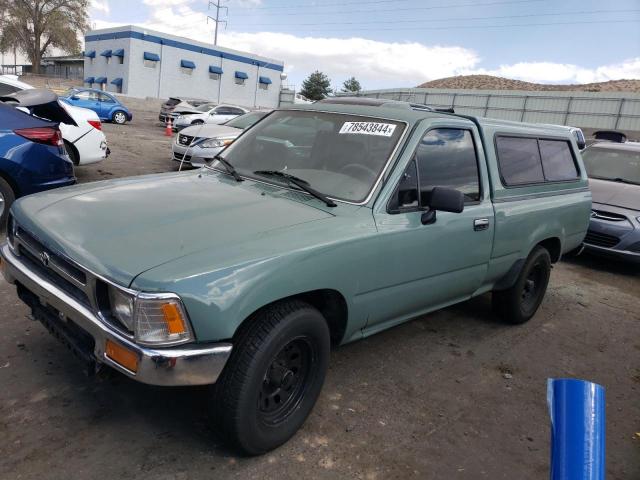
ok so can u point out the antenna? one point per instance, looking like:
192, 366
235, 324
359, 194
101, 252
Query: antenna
218, 6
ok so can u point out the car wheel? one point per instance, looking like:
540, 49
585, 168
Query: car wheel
520, 302
197, 122
274, 376
73, 153
119, 117
7, 197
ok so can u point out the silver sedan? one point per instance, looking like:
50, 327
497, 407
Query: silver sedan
198, 145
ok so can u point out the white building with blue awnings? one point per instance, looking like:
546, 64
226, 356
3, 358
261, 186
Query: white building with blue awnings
144, 63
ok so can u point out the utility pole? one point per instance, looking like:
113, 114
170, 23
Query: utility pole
217, 5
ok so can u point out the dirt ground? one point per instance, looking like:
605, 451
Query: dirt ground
451, 395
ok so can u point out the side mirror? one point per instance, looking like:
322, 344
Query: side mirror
445, 200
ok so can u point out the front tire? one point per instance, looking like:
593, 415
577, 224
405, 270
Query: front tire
274, 376
119, 117
520, 302
7, 197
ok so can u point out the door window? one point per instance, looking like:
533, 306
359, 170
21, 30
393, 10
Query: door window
223, 111
445, 157
106, 98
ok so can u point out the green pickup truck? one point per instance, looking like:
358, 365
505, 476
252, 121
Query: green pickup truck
320, 225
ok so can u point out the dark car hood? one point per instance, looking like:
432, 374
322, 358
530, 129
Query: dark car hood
615, 193
121, 228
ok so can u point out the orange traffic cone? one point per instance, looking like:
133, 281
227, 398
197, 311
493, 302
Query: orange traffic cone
168, 131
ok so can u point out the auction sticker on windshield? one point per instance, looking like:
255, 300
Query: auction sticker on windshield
368, 128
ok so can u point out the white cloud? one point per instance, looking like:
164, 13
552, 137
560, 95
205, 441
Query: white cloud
100, 6
548, 72
376, 64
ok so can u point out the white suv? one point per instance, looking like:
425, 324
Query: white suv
86, 142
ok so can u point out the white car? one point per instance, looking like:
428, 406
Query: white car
215, 115
85, 143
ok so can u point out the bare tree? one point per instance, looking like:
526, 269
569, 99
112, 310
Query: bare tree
33, 26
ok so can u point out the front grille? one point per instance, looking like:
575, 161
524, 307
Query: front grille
185, 140
601, 239
36, 264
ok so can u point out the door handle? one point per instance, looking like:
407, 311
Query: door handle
480, 224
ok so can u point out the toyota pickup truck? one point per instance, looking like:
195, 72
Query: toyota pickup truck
320, 225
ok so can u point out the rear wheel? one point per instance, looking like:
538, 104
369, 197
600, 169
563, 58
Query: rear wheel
119, 117
7, 197
273, 377
520, 302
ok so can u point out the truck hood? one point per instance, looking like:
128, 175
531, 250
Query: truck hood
121, 228
614, 193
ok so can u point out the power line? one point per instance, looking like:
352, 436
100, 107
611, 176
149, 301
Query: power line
404, 9
463, 27
432, 20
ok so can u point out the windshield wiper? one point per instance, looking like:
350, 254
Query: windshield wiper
230, 168
624, 180
616, 179
298, 182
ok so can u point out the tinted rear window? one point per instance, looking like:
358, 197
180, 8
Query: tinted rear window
557, 160
7, 89
519, 160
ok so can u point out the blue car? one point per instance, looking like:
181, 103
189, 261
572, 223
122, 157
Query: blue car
108, 107
32, 157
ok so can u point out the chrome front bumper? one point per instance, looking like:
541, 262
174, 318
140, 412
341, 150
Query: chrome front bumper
184, 365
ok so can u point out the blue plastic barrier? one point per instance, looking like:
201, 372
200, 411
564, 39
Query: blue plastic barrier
577, 410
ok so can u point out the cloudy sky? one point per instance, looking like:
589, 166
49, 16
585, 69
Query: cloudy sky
401, 43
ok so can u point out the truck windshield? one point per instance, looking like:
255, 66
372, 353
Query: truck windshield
613, 164
340, 155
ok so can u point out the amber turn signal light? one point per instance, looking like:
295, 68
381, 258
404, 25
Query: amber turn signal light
122, 356
173, 318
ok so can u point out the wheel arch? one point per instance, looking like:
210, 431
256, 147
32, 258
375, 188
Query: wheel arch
11, 182
329, 302
552, 244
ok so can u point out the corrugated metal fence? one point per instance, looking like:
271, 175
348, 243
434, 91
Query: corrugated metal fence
602, 110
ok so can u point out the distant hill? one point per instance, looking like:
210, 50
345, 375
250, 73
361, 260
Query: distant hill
489, 82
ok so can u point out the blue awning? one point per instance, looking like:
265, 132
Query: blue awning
106, 53
101, 80
265, 80
118, 53
89, 80
241, 75
117, 81
154, 57
215, 69
91, 54
187, 64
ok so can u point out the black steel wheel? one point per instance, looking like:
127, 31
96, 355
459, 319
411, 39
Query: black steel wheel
273, 377
520, 302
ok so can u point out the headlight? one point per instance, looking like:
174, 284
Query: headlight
154, 319
216, 142
122, 306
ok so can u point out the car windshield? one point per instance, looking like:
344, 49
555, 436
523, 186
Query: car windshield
69, 92
246, 120
613, 164
205, 107
338, 155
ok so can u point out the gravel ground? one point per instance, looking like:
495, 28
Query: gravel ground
454, 394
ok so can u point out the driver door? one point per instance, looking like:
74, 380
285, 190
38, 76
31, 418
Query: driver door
427, 266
